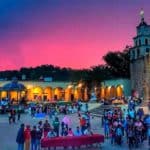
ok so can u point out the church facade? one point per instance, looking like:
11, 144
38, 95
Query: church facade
140, 60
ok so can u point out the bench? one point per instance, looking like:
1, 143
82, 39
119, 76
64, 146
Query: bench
74, 141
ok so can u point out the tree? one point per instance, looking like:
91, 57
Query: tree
119, 63
100, 73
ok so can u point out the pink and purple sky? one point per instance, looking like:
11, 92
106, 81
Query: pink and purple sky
66, 33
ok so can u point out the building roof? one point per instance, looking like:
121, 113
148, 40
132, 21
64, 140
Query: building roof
142, 23
13, 86
32, 84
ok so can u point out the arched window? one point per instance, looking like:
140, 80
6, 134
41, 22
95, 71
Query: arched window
146, 41
135, 43
139, 42
133, 54
138, 52
147, 50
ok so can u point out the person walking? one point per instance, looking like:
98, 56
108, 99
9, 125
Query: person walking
20, 138
27, 134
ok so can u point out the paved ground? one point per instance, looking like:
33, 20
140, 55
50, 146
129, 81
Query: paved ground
8, 132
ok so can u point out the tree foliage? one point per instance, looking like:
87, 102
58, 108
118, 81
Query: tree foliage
117, 65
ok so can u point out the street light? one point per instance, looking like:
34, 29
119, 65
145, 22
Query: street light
70, 86
80, 85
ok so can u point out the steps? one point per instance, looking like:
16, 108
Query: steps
98, 112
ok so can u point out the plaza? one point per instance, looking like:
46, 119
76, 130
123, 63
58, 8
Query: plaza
9, 131
106, 93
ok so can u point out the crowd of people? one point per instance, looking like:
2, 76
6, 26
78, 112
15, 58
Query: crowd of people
127, 125
30, 137
53, 109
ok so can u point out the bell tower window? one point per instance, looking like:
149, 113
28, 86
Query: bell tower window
146, 41
138, 52
147, 50
139, 42
135, 43
133, 54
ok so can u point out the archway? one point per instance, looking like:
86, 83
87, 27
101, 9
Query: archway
22, 94
37, 93
78, 93
107, 92
69, 96
102, 92
48, 93
113, 92
119, 91
30, 94
14, 95
86, 94
3, 94
58, 93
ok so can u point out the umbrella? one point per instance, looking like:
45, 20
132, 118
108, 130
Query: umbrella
67, 120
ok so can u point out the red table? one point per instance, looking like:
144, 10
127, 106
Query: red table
72, 141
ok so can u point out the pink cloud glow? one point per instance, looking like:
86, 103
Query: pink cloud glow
70, 36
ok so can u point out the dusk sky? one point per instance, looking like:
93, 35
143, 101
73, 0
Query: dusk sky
66, 33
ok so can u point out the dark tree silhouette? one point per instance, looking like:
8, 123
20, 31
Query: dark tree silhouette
119, 63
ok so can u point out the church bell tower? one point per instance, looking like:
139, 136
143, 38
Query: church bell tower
140, 60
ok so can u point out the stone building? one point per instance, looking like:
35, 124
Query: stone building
49, 91
140, 60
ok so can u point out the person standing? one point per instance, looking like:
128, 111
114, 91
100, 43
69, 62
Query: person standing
70, 133
56, 126
77, 132
148, 134
9, 117
20, 138
51, 134
38, 137
82, 124
112, 134
19, 114
119, 135
46, 127
27, 134
106, 128
130, 133
33, 139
